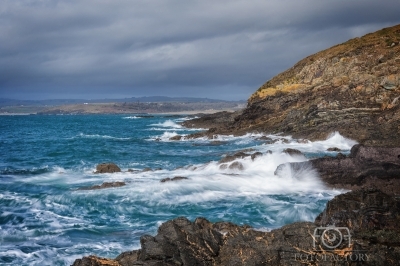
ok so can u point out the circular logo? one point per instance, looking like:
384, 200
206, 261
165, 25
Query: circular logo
331, 238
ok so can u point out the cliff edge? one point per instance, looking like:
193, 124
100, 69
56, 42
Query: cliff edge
353, 88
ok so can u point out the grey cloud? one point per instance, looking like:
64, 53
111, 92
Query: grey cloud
169, 47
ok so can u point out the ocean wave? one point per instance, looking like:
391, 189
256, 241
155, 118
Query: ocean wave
97, 136
168, 123
131, 117
25, 171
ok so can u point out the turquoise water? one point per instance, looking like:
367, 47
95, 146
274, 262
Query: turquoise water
46, 220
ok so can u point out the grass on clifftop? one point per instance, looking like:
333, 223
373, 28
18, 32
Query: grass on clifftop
380, 42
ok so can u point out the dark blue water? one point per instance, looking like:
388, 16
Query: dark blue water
44, 160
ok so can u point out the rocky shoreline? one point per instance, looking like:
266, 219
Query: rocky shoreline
366, 219
369, 215
353, 88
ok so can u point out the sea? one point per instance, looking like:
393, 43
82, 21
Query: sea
45, 160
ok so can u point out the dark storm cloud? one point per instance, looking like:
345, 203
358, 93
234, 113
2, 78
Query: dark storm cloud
219, 49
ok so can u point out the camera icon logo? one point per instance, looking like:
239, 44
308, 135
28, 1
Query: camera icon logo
331, 237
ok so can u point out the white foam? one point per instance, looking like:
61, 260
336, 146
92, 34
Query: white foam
168, 123
97, 136
131, 117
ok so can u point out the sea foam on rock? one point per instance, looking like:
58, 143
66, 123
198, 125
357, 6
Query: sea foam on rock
364, 167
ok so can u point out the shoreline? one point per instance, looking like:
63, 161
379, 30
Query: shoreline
194, 112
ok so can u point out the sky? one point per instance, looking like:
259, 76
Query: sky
225, 49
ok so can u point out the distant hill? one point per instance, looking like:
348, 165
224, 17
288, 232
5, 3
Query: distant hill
153, 99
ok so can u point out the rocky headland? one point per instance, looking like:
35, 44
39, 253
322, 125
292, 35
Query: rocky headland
353, 88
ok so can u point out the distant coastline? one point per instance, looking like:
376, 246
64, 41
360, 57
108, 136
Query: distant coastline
152, 105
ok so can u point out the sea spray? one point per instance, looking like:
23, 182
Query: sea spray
46, 219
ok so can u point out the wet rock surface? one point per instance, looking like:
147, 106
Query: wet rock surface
105, 185
377, 167
175, 178
370, 218
107, 168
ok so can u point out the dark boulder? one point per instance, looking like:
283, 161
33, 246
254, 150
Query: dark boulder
107, 168
360, 210
334, 149
177, 137
293, 152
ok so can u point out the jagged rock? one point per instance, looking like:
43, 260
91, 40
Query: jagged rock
364, 167
293, 152
95, 261
128, 258
230, 158
281, 140
177, 137
107, 168
105, 185
372, 210
370, 217
147, 169
176, 178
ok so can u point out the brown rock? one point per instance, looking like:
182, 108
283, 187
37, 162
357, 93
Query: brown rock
107, 168
95, 261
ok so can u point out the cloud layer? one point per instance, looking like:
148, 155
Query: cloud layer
123, 48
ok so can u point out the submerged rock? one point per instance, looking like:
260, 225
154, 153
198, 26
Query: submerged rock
105, 185
236, 166
107, 168
176, 178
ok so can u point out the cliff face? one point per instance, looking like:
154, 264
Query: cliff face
352, 88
